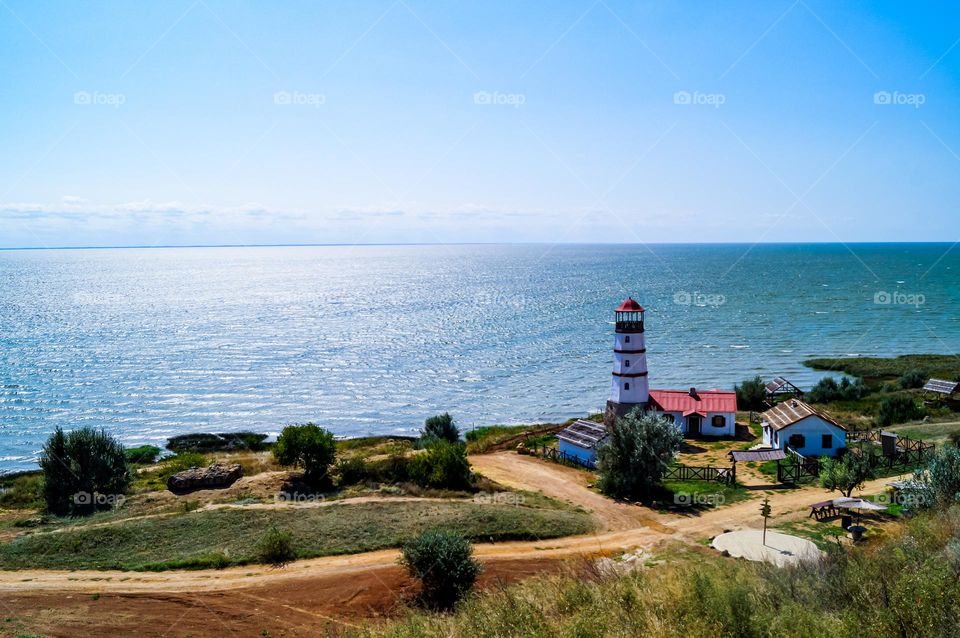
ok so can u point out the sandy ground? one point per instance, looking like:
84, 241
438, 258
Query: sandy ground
314, 593
779, 549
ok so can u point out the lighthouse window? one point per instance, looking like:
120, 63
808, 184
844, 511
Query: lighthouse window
626, 363
626, 386
626, 339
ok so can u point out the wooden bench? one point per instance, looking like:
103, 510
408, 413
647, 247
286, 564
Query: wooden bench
824, 509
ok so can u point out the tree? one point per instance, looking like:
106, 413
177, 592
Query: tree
846, 474
943, 476
443, 562
440, 427
751, 394
828, 389
276, 547
912, 379
83, 470
310, 447
635, 455
443, 465
899, 408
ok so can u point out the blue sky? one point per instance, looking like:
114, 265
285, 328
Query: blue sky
216, 122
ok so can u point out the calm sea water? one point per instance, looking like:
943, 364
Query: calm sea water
154, 342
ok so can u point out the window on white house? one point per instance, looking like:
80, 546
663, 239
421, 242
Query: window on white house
669, 417
626, 386
826, 441
797, 441
719, 421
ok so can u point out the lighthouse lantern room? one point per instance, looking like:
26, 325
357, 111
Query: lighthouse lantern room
629, 387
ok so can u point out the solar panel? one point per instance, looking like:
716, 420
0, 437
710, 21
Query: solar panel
940, 386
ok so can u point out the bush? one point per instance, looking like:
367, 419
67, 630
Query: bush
943, 476
393, 469
751, 394
827, 390
222, 442
912, 379
143, 454
276, 547
80, 466
22, 492
898, 409
846, 474
443, 563
632, 460
307, 446
352, 470
440, 427
444, 465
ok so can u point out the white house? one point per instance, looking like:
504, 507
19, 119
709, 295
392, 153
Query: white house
698, 412
580, 440
807, 430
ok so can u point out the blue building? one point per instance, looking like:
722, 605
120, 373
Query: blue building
580, 440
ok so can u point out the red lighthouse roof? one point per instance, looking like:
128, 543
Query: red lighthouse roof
630, 306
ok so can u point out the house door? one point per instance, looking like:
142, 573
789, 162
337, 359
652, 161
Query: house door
693, 424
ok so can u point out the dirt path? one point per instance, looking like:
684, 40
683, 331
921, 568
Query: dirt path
317, 596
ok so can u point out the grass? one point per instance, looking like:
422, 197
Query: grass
876, 369
931, 432
484, 439
219, 538
704, 493
22, 491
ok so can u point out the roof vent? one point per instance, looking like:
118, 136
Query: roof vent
793, 403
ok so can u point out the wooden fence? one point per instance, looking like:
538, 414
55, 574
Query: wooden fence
725, 475
555, 455
797, 467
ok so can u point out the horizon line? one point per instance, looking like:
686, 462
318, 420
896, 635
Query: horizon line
473, 243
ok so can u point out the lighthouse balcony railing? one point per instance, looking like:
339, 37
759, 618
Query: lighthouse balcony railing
629, 326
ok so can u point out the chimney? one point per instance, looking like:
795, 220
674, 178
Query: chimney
693, 392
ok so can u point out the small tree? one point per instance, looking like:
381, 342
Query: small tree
912, 379
310, 447
443, 562
847, 474
899, 408
82, 470
751, 394
443, 465
943, 476
440, 427
765, 513
633, 459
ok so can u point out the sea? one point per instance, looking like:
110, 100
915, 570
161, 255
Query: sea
152, 342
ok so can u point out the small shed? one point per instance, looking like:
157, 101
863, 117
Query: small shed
945, 389
580, 439
780, 387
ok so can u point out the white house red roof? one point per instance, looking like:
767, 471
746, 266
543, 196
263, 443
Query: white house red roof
630, 306
694, 401
785, 414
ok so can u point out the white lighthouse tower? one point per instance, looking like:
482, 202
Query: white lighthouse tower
630, 387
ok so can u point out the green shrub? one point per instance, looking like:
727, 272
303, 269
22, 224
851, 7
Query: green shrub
443, 562
943, 476
222, 442
352, 470
751, 394
143, 454
440, 427
276, 547
444, 465
828, 389
393, 469
22, 492
635, 455
898, 409
912, 379
309, 447
82, 470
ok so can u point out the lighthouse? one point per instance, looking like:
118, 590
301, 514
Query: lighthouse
629, 387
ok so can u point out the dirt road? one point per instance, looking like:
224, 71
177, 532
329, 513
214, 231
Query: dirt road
623, 527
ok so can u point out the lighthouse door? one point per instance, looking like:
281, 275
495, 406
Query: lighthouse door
693, 424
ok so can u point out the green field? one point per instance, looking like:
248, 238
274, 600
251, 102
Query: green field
224, 537
873, 369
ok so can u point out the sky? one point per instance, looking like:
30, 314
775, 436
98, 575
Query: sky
391, 121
